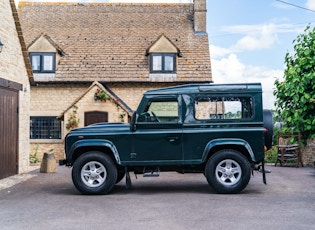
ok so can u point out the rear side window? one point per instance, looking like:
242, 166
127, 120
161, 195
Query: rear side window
222, 108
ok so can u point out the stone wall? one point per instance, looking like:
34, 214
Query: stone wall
12, 67
308, 153
38, 149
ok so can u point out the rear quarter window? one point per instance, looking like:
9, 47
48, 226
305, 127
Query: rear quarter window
224, 108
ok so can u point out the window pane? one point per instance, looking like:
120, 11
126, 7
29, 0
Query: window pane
164, 109
47, 62
232, 109
224, 108
169, 63
209, 109
35, 62
157, 63
45, 128
43, 62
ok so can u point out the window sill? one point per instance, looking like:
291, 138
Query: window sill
163, 75
44, 75
43, 141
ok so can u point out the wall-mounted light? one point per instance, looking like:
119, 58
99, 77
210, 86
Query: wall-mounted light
1, 46
95, 97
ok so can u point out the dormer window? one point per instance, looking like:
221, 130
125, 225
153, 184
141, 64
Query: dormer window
43, 62
162, 58
162, 63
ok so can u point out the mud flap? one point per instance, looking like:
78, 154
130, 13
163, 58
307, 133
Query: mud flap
263, 171
128, 180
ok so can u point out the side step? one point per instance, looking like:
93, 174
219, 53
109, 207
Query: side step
151, 172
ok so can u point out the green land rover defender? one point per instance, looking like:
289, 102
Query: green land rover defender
220, 130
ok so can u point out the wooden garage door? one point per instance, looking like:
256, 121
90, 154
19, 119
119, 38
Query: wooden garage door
8, 132
95, 117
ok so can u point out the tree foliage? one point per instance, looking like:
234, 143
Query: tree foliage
295, 95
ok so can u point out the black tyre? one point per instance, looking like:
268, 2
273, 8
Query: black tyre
94, 173
268, 125
228, 171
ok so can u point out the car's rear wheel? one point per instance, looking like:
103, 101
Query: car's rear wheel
228, 171
94, 173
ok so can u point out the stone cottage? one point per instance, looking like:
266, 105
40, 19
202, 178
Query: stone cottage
92, 61
15, 78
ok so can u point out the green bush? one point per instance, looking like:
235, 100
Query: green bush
33, 155
295, 94
271, 155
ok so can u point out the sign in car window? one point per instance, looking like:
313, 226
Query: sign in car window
160, 112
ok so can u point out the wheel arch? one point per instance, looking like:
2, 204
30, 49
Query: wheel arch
104, 146
239, 145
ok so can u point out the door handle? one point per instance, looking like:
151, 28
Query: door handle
172, 139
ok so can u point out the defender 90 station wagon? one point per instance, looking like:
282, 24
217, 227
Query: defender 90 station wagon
220, 130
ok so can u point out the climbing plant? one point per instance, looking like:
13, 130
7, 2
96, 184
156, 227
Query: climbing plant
73, 121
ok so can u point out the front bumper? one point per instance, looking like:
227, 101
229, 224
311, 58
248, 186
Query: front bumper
63, 162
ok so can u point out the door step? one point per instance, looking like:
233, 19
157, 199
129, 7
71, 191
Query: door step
151, 172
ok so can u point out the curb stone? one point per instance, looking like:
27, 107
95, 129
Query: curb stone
16, 179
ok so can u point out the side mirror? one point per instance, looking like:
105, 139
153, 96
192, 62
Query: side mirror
144, 117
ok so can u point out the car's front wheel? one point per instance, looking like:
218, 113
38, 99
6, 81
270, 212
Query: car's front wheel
228, 171
94, 173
